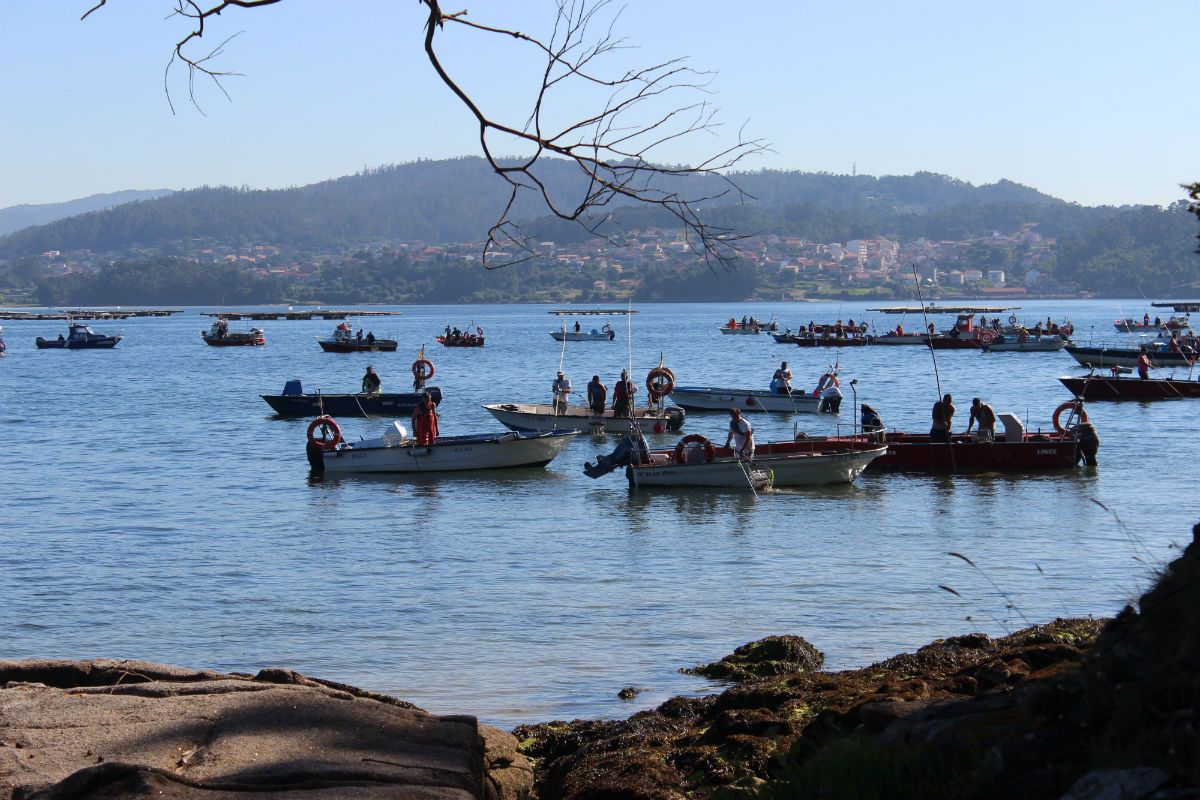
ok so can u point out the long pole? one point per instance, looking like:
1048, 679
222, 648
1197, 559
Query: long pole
936, 376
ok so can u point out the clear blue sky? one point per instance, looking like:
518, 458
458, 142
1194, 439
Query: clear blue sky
1093, 101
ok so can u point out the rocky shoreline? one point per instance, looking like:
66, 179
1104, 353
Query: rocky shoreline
1075, 709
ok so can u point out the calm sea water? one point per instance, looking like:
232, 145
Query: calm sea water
153, 508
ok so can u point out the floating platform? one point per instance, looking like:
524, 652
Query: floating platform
945, 309
299, 315
591, 312
89, 314
1179, 306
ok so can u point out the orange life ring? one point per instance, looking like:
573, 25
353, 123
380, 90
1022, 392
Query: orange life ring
660, 382
710, 452
987, 337
1081, 415
422, 369
323, 443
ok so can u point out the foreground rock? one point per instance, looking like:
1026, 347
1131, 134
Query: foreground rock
1075, 709
101, 729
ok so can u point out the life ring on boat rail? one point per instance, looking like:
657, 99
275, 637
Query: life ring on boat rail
710, 451
1080, 414
422, 369
987, 337
325, 422
1012, 319
660, 382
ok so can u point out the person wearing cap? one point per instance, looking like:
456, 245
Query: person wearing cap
623, 393
371, 383
562, 392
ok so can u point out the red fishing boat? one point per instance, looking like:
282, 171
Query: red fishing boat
1070, 439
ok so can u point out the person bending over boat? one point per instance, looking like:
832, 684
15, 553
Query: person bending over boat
371, 383
872, 423
561, 388
623, 393
597, 395
781, 381
425, 421
943, 420
982, 413
741, 434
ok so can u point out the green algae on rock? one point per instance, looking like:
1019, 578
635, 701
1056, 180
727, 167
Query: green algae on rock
771, 655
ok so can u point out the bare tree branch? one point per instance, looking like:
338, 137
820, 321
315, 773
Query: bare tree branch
648, 109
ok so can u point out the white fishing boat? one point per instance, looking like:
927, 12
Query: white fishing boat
696, 461
706, 398
740, 330
395, 452
605, 334
541, 417
1039, 344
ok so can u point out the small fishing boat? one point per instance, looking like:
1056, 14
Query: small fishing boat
898, 336
697, 462
828, 340
1071, 438
707, 398
605, 334
1104, 357
740, 330
395, 453
749, 326
1154, 325
541, 417
79, 337
294, 402
344, 341
463, 338
1121, 386
219, 335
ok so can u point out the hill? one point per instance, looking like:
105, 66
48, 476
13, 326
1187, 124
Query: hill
457, 200
14, 218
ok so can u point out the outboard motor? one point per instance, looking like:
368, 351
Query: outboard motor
632, 450
1089, 443
316, 458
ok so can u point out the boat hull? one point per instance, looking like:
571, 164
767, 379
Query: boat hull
740, 331
462, 341
1098, 387
787, 468
901, 339
106, 343
541, 417
354, 346
913, 452
571, 336
703, 398
1103, 357
449, 454
1044, 345
831, 341
348, 405
234, 340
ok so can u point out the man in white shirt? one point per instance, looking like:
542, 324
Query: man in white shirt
781, 381
562, 391
741, 434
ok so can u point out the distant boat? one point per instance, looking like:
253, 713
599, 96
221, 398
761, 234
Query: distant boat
344, 341
605, 334
219, 335
1103, 357
295, 403
79, 337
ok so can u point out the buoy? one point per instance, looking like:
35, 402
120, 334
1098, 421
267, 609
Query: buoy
710, 452
323, 443
1080, 414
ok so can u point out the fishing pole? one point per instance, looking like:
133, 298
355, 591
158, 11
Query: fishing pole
936, 376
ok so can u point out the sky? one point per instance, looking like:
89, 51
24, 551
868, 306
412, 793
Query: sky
1094, 102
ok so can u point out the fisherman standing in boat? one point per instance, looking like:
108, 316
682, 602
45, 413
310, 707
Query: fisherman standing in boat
597, 395
562, 392
1143, 364
943, 419
425, 421
872, 423
371, 382
982, 413
623, 396
781, 381
741, 434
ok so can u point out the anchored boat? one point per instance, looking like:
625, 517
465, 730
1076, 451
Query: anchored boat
294, 402
345, 342
79, 337
394, 452
1104, 357
605, 334
463, 338
219, 335
1118, 386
